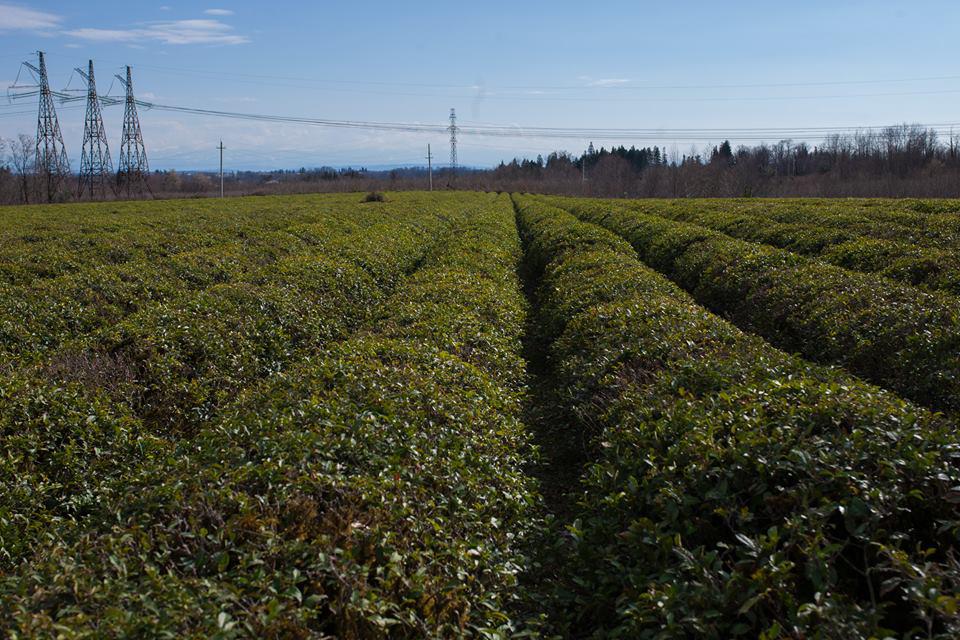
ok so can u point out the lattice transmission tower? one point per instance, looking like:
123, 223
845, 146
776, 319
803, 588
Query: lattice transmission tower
453, 142
132, 167
50, 156
96, 169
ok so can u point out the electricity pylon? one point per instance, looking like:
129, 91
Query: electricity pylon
96, 169
132, 169
50, 156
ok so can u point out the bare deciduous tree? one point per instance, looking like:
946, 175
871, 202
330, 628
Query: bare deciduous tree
22, 153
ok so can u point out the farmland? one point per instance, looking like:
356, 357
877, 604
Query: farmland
480, 415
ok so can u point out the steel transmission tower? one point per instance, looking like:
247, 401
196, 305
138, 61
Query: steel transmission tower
52, 165
132, 169
453, 142
96, 169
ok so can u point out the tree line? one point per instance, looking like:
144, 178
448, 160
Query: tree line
900, 161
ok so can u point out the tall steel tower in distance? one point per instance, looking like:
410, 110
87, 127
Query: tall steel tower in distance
52, 165
96, 169
453, 142
132, 169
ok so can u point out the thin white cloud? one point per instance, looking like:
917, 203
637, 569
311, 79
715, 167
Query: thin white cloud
218, 12
174, 32
165, 8
14, 18
608, 82
602, 82
103, 35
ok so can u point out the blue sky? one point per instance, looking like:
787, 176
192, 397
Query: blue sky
669, 65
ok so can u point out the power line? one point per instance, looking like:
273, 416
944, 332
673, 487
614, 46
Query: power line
703, 134
518, 131
755, 134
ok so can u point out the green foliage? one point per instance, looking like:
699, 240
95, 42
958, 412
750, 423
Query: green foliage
120, 268
330, 446
303, 417
894, 335
869, 236
737, 491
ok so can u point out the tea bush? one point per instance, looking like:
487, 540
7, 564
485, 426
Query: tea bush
861, 244
42, 312
304, 417
894, 335
737, 491
374, 488
172, 367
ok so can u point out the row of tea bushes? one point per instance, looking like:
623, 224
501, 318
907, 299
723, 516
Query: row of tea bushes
737, 491
850, 247
42, 242
373, 490
923, 223
69, 425
933, 269
894, 335
180, 362
41, 315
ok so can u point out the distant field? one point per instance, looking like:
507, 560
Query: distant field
477, 415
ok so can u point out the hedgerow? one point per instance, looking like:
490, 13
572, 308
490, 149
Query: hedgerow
737, 491
894, 335
373, 489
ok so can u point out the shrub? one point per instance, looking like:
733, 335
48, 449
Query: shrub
894, 335
737, 490
373, 488
895, 247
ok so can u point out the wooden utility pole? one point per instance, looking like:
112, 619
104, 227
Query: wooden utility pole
221, 147
430, 166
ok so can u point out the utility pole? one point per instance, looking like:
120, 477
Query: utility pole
430, 166
52, 165
453, 142
133, 169
221, 147
95, 164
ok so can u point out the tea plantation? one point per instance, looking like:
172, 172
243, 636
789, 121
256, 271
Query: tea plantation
456, 414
